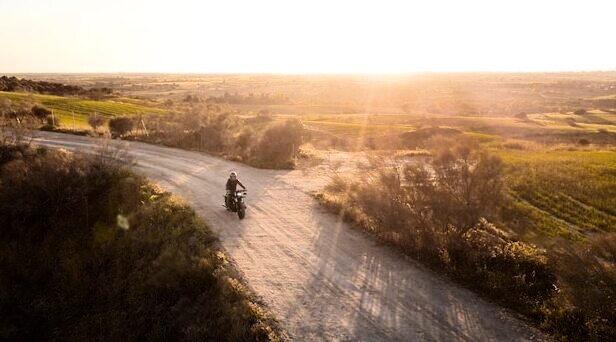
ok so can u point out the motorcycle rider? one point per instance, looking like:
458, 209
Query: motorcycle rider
231, 186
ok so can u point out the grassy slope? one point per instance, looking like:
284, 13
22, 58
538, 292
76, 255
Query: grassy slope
64, 107
563, 193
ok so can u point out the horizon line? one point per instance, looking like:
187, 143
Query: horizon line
256, 73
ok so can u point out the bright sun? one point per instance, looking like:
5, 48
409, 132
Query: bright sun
307, 36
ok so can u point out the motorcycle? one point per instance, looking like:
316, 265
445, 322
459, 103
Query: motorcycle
236, 203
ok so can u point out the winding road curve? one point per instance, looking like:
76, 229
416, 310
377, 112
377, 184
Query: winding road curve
322, 279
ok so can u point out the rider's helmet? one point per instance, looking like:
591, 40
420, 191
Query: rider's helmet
233, 174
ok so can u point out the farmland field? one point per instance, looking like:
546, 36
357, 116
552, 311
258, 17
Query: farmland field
73, 112
571, 194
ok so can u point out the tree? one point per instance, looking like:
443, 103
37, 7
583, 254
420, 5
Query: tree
95, 120
120, 126
459, 186
40, 112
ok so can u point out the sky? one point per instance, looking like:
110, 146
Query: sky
292, 36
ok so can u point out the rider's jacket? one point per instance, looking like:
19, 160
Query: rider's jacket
232, 184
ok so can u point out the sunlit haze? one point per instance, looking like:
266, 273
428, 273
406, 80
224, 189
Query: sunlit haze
306, 36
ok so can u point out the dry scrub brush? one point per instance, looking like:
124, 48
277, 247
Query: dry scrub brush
439, 211
449, 211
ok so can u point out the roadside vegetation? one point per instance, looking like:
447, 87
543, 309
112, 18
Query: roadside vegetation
256, 140
91, 251
521, 233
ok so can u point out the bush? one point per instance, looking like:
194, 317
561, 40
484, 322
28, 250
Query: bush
217, 132
580, 112
588, 278
459, 185
41, 113
95, 121
279, 145
120, 126
70, 271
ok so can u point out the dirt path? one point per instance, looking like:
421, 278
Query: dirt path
322, 279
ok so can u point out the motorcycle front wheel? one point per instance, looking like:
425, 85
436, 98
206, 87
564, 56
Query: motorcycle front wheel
241, 212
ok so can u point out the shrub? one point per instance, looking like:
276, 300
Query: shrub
460, 185
588, 278
583, 142
217, 132
95, 121
279, 145
244, 142
580, 112
41, 113
15, 128
120, 126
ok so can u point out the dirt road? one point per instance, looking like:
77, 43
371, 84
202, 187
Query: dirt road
322, 279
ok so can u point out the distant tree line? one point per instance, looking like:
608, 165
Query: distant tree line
14, 84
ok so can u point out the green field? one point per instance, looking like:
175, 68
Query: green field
73, 112
571, 194
484, 128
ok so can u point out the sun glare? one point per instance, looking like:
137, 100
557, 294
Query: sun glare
306, 37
